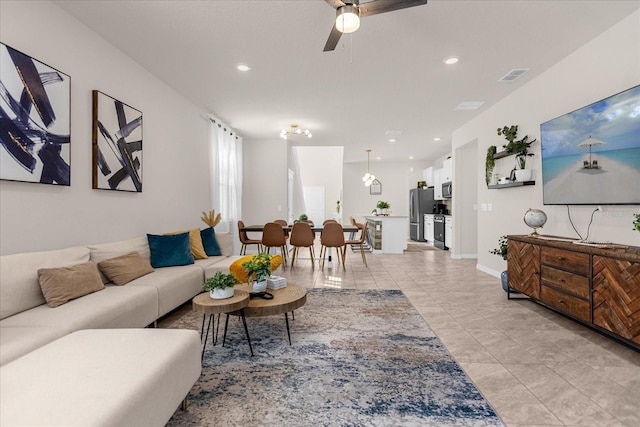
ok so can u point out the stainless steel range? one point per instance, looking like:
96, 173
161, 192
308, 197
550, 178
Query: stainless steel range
438, 231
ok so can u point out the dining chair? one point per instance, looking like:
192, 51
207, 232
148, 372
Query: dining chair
328, 220
284, 223
273, 237
245, 240
360, 243
302, 236
332, 236
355, 224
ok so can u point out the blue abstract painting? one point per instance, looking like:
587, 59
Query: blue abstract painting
35, 125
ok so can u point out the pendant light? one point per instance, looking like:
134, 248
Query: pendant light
368, 178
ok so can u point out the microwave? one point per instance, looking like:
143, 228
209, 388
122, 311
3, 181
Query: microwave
446, 190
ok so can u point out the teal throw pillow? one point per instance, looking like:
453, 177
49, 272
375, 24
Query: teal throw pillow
209, 241
171, 250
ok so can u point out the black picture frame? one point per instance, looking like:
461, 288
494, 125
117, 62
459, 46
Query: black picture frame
35, 120
116, 145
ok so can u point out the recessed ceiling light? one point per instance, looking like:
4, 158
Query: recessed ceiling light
469, 105
378, 158
243, 67
450, 60
410, 157
392, 140
437, 138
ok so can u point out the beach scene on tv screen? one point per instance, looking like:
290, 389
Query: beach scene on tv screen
592, 155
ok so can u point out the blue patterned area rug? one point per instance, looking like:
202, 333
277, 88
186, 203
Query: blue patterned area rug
359, 357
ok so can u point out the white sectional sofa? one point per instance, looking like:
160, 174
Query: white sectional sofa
93, 360
27, 322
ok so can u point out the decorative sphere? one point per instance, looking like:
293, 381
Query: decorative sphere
535, 218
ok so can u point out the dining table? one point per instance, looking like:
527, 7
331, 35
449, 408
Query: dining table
315, 228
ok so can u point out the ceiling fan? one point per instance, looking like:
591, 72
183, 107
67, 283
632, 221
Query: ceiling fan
348, 13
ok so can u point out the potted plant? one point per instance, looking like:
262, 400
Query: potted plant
518, 147
382, 207
220, 286
490, 164
501, 250
302, 218
337, 206
258, 270
636, 222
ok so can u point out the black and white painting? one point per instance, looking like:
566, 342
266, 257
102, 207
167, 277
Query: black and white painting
35, 124
117, 145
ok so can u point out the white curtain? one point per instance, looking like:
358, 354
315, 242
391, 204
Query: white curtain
226, 166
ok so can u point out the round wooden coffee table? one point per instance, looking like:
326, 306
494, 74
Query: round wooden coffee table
284, 300
203, 303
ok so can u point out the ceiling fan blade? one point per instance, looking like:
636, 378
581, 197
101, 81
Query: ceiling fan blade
382, 6
333, 39
335, 3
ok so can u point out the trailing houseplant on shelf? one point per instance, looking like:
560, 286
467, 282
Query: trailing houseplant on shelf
518, 147
220, 286
490, 164
501, 250
258, 271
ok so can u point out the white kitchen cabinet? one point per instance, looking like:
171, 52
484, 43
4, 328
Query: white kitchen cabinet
427, 175
448, 232
437, 185
428, 228
446, 173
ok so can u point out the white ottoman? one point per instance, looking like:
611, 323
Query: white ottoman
101, 377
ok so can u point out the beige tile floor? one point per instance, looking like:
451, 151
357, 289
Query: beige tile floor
535, 367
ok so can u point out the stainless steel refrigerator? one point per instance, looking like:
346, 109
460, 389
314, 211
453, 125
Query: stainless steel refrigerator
420, 202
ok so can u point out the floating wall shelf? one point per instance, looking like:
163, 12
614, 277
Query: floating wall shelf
511, 184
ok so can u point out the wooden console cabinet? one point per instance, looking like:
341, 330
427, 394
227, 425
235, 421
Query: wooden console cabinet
599, 287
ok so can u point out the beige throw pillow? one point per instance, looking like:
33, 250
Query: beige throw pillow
60, 285
125, 268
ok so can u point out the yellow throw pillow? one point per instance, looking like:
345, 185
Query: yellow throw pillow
238, 271
195, 242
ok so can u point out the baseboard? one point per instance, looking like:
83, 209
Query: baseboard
464, 256
488, 270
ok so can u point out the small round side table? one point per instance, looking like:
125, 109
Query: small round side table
203, 303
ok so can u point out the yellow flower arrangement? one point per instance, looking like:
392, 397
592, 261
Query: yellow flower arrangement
238, 270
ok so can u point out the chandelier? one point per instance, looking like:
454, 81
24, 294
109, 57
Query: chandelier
368, 178
294, 130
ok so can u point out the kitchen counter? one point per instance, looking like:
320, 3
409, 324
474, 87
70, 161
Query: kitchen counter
387, 234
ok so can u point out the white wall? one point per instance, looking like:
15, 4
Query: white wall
396, 178
322, 167
604, 66
264, 192
175, 138
465, 204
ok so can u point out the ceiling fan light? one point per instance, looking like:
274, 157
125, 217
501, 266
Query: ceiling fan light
347, 19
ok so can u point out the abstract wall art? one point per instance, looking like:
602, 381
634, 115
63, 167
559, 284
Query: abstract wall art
117, 145
35, 125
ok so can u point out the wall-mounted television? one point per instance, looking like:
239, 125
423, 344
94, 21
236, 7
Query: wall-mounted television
591, 156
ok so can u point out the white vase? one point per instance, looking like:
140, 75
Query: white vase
523, 174
259, 286
383, 211
218, 293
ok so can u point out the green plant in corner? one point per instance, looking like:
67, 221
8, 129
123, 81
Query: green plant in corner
502, 248
636, 222
490, 163
220, 281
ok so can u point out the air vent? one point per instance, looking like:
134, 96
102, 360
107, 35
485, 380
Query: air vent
469, 105
513, 75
